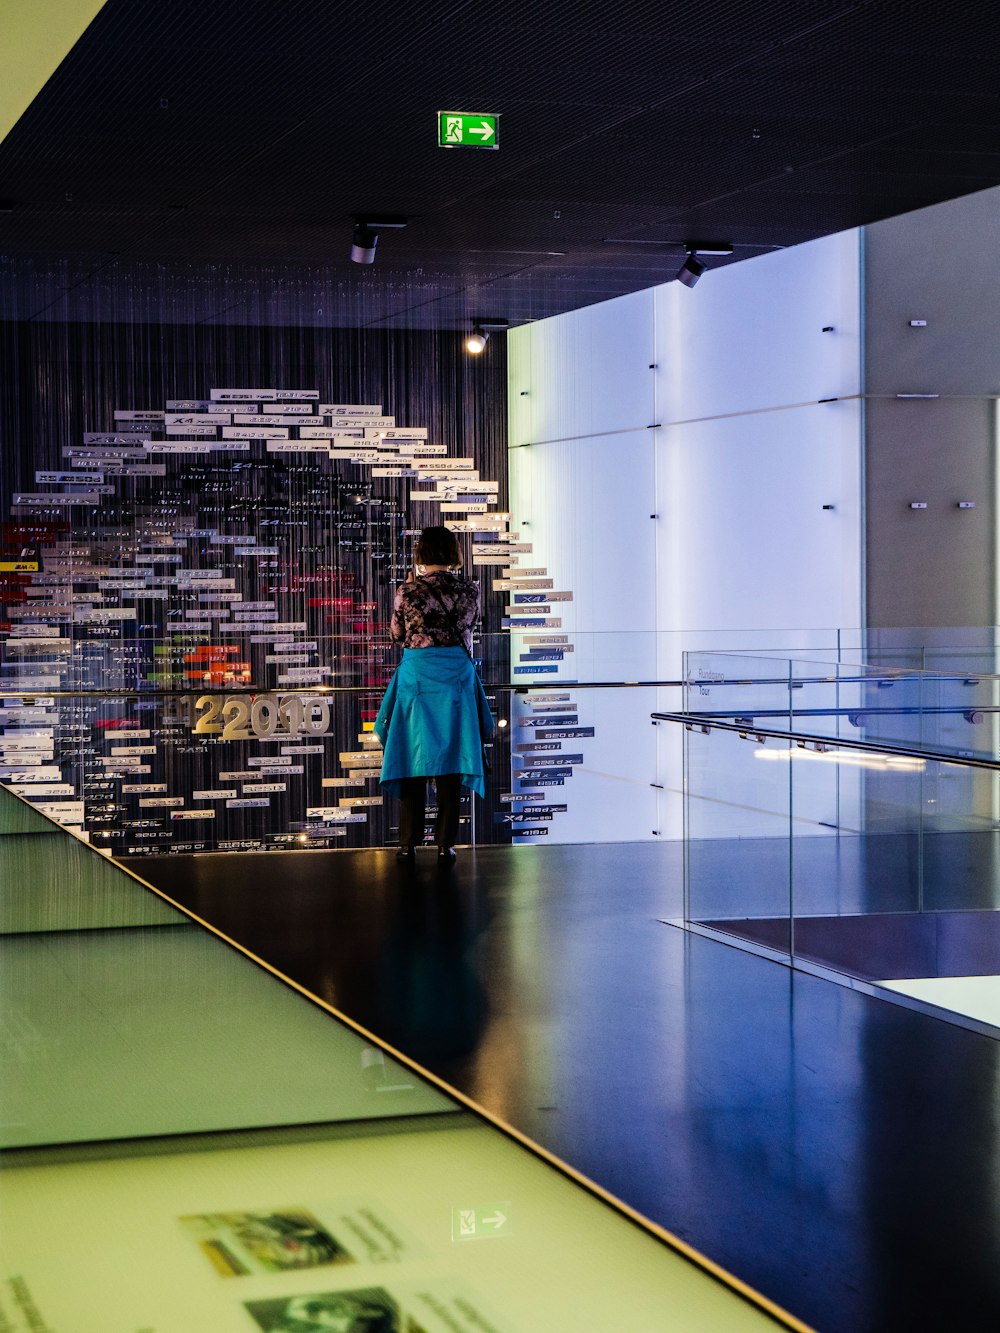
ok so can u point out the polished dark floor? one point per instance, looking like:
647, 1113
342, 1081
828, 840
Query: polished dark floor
884, 946
839, 1152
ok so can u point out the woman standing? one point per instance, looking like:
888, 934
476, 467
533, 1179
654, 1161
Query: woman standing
434, 716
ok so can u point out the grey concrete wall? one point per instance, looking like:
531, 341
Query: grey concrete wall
935, 566
932, 566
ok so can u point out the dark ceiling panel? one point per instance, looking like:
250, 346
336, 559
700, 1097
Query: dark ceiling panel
203, 161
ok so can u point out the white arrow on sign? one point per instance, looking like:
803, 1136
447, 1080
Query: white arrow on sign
485, 129
497, 1220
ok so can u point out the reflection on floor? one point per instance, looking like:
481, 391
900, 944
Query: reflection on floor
897, 945
836, 1151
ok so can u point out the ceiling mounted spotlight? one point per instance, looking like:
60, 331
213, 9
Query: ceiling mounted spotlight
690, 271
692, 268
480, 335
365, 238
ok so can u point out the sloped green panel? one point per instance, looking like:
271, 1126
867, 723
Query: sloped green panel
51, 880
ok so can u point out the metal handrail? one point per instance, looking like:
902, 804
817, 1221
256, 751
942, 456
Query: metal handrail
706, 723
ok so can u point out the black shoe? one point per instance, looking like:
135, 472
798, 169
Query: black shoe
446, 855
406, 854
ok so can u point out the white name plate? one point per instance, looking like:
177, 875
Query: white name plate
35, 789
64, 812
393, 432
242, 395
454, 475
193, 430
103, 616
264, 786
255, 432
484, 523
350, 409
297, 447
520, 585
307, 673
180, 446
212, 419
104, 437
334, 814
138, 416
259, 419
41, 498
74, 478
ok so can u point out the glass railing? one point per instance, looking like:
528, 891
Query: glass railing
190, 1143
847, 820
234, 769
208, 756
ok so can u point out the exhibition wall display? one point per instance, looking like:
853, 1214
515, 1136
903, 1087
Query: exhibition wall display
183, 558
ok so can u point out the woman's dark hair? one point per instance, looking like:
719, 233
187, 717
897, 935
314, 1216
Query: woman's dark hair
438, 546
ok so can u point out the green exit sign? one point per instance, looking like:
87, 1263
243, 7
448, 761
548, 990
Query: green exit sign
468, 129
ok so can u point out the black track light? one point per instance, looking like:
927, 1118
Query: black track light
365, 238
363, 245
692, 268
690, 271
480, 335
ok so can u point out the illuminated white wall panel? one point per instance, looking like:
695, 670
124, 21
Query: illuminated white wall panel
750, 336
746, 543
713, 523
583, 372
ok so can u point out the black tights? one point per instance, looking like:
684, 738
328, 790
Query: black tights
413, 793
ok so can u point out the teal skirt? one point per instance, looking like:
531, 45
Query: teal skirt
433, 719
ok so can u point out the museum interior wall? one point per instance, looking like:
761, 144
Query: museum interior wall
226, 508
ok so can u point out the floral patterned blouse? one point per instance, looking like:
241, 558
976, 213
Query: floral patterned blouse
431, 610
